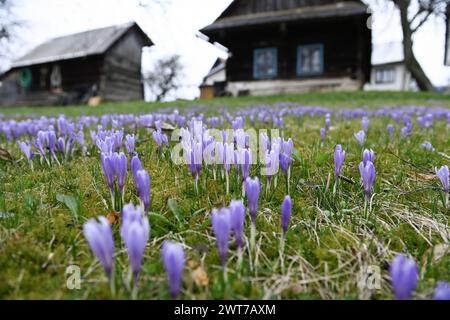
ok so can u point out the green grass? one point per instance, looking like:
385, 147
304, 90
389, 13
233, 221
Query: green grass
329, 242
333, 99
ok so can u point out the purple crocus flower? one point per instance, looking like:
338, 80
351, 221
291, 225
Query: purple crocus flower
272, 164
135, 232
286, 212
368, 174
368, 155
442, 291
108, 170
339, 158
237, 216
158, 125
219, 153
322, 134
405, 132
252, 190
61, 145
221, 223
160, 139
130, 141
172, 255
51, 139
143, 188
135, 165
25, 147
361, 137
229, 156
286, 155
327, 121
365, 124
245, 158
391, 130
79, 137
427, 146
120, 168
100, 238
194, 154
443, 175
264, 142
40, 143
404, 275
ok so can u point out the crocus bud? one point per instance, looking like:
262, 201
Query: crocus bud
25, 147
286, 155
252, 190
135, 232
135, 166
229, 156
361, 137
368, 155
442, 291
120, 167
100, 239
339, 158
237, 211
108, 170
245, 158
365, 124
443, 175
130, 141
172, 255
221, 224
368, 174
143, 188
404, 275
286, 212
322, 134
391, 130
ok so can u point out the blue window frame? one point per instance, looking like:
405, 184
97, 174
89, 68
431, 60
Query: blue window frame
310, 59
265, 63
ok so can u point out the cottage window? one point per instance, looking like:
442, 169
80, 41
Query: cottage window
265, 63
385, 75
310, 59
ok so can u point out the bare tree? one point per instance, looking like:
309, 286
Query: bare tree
165, 76
8, 27
411, 21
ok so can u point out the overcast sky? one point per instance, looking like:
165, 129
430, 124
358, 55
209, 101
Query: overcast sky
173, 31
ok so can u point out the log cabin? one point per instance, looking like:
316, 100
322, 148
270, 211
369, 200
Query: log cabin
283, 46
389, 71
103, 63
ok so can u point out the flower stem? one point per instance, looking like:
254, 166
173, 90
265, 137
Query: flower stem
134, 292
227, 179
252, 236
112, 285
282, 244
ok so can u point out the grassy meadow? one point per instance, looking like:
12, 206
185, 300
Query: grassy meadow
331, 240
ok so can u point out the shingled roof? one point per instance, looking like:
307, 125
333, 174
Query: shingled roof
254, 12
78, 45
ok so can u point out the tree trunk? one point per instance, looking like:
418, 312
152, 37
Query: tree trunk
411, 62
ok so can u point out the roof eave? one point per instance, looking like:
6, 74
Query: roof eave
228, 23
387, 63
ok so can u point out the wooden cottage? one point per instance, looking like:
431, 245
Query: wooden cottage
214, 82
280, 46
389, 71
103, 63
